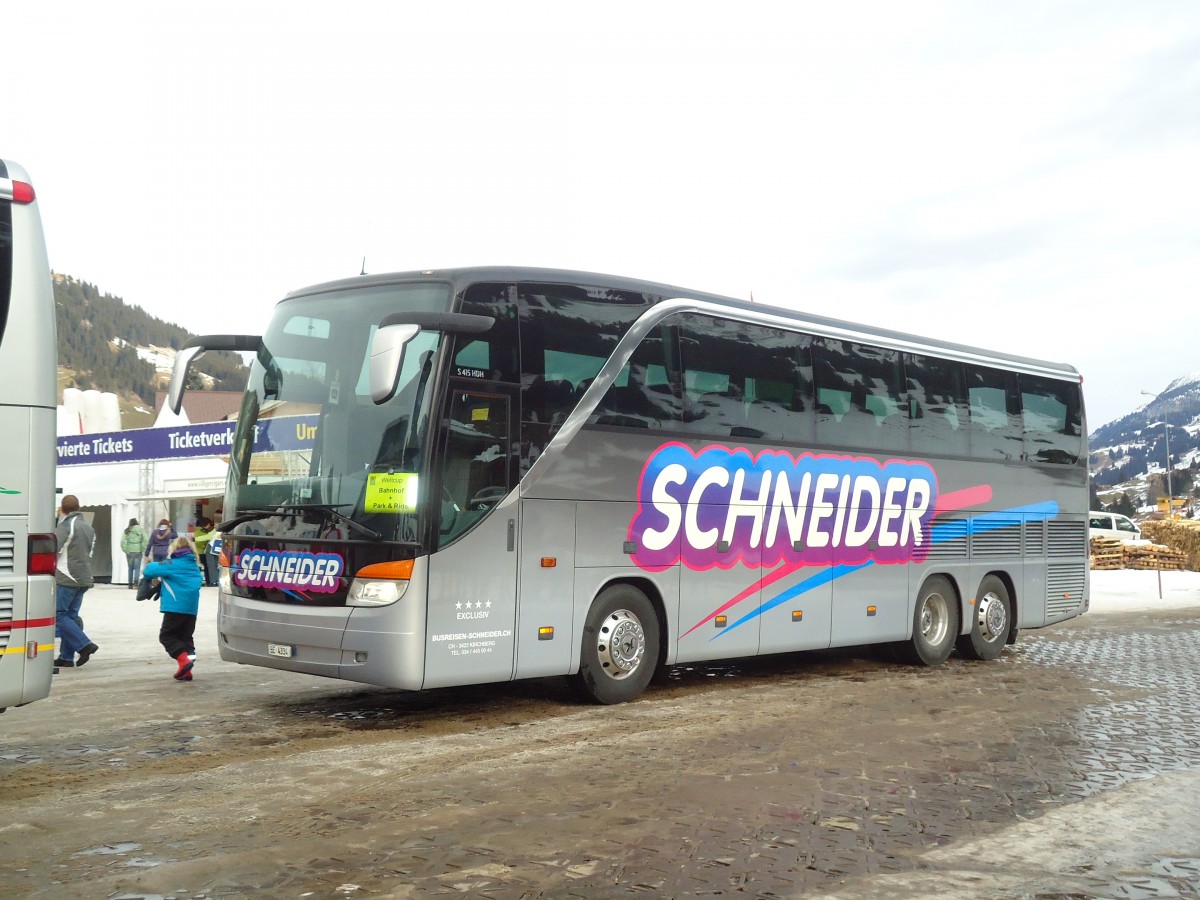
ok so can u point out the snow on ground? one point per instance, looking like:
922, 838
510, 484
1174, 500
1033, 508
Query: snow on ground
1129, 590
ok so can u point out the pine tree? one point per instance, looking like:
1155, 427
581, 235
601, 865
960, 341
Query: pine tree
90, 324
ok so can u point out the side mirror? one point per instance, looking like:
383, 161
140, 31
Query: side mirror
387, 359
248, 343
183, 359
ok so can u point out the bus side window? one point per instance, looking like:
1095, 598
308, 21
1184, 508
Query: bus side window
995, 431
568, 331
1052, 419
842, 417
493, 355
745, 381
882, 380
937, 405
644, 394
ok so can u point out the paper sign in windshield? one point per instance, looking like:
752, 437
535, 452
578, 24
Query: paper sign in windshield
391, 492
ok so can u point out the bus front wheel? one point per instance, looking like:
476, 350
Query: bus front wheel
935, 624
620, 646
990, 621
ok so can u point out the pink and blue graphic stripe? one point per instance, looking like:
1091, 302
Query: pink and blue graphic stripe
978, 524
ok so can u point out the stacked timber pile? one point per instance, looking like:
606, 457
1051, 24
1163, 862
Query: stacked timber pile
1107, 553
1113, 553
1154, 556
1180, 535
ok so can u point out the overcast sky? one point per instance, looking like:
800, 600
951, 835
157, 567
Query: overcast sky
1023, 176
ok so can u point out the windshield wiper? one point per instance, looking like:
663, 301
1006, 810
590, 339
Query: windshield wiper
283, 509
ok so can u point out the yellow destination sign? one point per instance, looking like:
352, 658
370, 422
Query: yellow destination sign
394, 492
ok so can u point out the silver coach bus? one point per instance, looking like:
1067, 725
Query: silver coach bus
29, 354
519, 473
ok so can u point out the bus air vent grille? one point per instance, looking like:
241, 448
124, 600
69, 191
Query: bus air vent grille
8, 554
1002, 540
1067, 539
1064, 587
1035, 538
946, 539
6, 614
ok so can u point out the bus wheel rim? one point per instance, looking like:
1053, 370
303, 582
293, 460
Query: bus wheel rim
621, 645
993, 620
935, 619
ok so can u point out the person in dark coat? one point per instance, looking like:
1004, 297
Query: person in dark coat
73, 577
159, 545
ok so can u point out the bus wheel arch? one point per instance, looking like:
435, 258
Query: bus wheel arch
622, 643
992, 619
936, 623
1014, 605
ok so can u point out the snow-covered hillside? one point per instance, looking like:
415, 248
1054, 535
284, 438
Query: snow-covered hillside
1130, 455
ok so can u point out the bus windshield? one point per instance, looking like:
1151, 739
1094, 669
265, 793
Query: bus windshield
311, 446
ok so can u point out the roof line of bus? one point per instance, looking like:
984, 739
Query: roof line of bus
461, 276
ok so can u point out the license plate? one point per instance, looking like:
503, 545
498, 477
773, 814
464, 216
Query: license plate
286, 650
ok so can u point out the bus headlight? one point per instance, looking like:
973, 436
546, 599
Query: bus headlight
375, 593
380, 584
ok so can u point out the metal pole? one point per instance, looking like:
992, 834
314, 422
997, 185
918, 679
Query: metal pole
1167, 433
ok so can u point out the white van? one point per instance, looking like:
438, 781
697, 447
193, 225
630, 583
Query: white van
1114, 525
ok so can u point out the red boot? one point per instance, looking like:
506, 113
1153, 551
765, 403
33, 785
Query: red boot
185, 667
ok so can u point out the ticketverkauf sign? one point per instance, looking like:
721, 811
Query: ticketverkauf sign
183, 441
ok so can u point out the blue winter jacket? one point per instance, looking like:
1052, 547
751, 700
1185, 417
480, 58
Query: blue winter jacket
181, 581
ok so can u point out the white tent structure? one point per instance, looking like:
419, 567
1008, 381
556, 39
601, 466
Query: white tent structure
149, 491
149, 474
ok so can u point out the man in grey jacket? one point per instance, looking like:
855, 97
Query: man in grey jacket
73, 578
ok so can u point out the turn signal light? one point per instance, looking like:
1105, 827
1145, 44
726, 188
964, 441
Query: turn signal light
400, 569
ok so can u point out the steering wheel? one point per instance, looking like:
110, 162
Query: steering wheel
486, 498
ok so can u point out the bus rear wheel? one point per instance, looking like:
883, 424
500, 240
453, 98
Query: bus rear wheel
620, 646
935, 624
990, 622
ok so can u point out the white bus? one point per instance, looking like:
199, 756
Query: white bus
29, 358
474, 475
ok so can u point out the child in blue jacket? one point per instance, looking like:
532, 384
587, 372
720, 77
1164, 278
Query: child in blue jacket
179, 602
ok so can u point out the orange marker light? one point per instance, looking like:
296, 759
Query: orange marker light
399, 570
546, 633
549, 562
720, 621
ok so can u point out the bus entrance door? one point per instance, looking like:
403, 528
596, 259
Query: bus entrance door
473, 574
